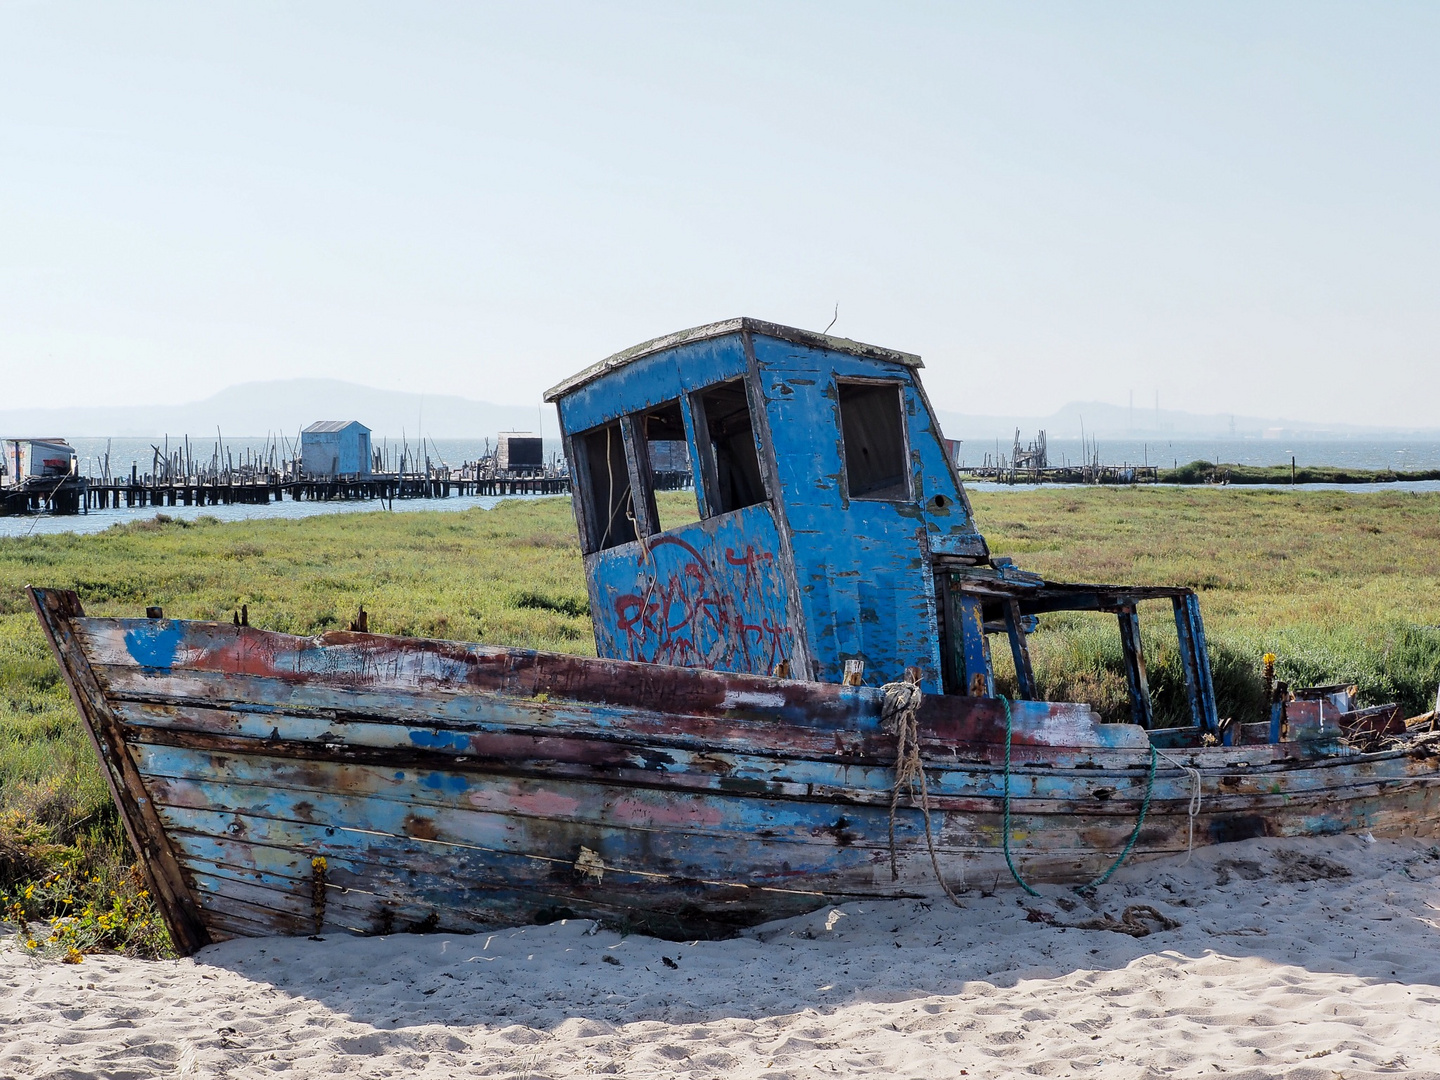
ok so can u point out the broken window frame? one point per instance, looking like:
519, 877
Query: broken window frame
708, 491
614, 526
637, 441
971, 611
907, 471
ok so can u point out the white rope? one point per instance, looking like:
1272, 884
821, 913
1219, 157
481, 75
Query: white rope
898, 716
1194, 800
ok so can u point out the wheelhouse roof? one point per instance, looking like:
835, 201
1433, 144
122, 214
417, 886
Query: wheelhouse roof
721, 329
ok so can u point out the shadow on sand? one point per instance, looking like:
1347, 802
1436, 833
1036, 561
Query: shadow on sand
1341, 906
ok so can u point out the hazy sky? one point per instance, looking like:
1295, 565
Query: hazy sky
1235, 205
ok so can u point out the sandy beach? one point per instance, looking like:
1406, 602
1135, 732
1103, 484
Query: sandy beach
1293, 959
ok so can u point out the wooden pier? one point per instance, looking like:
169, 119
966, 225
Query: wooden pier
144, 491
79, 494
66, 495
1064, 474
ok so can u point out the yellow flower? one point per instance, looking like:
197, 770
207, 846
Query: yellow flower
32, 944
74, 956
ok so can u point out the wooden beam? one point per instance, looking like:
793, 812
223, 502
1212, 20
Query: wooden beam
55, 610
1020, 651
1142, 711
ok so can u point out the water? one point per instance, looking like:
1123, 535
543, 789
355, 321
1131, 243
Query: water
1347, 453
99, 520
127, 451
1351, 453
141, 453
1399, 454
1167, 453
1398, 485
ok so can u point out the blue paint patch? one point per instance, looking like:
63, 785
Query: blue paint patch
440, 740
153, 645
436, 781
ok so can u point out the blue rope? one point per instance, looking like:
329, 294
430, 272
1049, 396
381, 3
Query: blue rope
1129, 844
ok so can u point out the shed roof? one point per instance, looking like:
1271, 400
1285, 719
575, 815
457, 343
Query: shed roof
720, 329
332, 425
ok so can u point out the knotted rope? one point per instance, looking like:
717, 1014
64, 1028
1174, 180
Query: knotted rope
1196, 785
898, 715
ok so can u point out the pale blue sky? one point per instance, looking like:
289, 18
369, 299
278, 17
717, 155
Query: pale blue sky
1235, 205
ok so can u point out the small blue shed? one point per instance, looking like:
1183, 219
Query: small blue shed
335, 448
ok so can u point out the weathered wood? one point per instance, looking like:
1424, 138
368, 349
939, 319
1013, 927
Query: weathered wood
1020, 654
1133, 650
56, 611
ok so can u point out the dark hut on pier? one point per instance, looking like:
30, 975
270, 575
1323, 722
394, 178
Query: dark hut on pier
520, 452
335, 448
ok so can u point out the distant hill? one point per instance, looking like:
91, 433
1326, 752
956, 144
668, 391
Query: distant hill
258, 408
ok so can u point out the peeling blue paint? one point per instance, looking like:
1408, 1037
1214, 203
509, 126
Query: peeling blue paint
436, 781
152, 645
440, 740
708, 595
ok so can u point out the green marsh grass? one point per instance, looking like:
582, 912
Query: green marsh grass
1342, 587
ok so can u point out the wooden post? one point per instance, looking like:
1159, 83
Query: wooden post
1141, 709
1020, 651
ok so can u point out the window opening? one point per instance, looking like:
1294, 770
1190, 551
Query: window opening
611, 506
730, 443
669, 455
872, 427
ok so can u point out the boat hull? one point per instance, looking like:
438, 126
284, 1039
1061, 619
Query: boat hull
285, 785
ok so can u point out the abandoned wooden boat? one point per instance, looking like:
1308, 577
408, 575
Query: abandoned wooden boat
721, 762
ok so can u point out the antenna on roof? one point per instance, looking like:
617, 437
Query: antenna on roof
832, 321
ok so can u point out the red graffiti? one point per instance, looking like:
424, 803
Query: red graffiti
697, 612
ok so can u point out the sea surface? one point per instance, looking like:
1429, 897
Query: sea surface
1347, 453
1342, 453
1356, 453
204, 450
99, 520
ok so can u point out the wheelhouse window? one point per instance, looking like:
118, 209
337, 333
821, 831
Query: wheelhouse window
668, 455
726, 438
872, 428
609, 504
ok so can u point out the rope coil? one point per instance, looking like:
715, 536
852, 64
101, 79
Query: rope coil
899, 711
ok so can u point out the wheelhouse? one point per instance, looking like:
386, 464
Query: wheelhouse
832, 534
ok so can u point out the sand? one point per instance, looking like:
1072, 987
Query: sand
1292, 959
